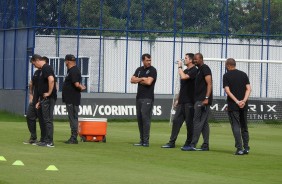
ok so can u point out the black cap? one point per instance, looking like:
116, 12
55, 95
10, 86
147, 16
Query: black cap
69, 57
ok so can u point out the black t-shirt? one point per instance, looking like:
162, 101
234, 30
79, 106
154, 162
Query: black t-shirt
35, 81
201, 85
236, 80
43, 86
187, 87
70, 93
146, 91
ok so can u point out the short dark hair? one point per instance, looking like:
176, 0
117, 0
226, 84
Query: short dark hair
231, 62
70, 57
190, 55
35, 57
200, 55
146, 55
46, 59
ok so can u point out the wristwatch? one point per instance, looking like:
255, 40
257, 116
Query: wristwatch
206, 97
180, 67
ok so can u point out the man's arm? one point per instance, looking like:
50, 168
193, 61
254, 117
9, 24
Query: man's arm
246, 97
135, 80
147, 81
51, 83
79, 86
208, 80
30, 85
183, 75
247, 93
230, 94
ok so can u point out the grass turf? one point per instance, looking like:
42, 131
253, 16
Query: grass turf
117, 161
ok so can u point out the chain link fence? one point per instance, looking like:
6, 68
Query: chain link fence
108, 38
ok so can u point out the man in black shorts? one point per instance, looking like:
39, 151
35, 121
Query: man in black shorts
145, 76
184, 102
237, 87
47, 98
203, 100
72, 88
32, 112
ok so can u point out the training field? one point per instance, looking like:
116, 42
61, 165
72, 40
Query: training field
117, 161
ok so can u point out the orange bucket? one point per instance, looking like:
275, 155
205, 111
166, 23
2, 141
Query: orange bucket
92, 129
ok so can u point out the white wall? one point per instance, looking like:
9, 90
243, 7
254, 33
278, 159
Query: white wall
120, 58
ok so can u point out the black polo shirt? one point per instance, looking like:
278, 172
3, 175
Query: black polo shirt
187, 87
236, 80
70, 93
35, 81
43, 85
201, 85
146, 91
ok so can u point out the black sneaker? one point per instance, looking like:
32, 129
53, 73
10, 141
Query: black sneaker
138, 144
50, 145
36, 143
168, 145
145, 145
188, 148
204, 148
239, 152
246, 151
41, 144
72, 141
30, 141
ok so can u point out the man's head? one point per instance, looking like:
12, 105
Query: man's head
146, 59
230, 64
46, 59
37, 61
69, 60
188, 58
198, 59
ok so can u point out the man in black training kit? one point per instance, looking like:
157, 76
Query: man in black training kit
47, 98
203, 100
145, 76
184, 102
237, 87
71, 95
32, 112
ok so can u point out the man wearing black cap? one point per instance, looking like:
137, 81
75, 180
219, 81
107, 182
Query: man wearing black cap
72, 88
47, 98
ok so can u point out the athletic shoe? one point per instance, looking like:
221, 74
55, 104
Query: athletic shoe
239, 152
168, 145
41, 144
138, 144
145, 145
30, 141
71, 141
185, 145
50, 145
246, 151
204, 148
36, 143
188, 148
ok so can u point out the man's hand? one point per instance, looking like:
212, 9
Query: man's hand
205, 102
175, 103
45, 95
37, 105
82, 87
241, 104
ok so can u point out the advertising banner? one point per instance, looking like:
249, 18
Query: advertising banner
124, 108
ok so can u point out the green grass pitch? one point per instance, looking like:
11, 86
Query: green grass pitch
118, 161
